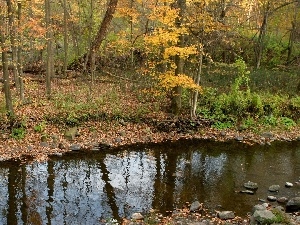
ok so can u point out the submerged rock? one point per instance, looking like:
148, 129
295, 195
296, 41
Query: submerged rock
274, 188
251, 185
247, 192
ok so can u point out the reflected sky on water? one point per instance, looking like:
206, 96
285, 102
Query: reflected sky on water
85, 188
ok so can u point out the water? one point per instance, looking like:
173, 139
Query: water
85, 188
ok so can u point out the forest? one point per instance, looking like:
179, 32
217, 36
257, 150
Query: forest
125, 71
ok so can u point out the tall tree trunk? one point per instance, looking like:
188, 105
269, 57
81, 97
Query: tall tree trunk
49, 37
19, 55
102, 31
177, 91
261, 38
292, 34
194, 94
14, 49
4, 48
65, 39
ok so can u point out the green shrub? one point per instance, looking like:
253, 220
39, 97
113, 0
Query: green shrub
287, 122
18, 133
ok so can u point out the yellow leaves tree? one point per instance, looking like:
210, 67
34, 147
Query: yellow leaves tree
169, 50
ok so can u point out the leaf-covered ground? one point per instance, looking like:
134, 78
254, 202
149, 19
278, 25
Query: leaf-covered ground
112, 112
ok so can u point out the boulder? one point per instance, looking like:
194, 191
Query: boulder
137, 216
263, 216
293, 204
225, 215
195, 206
75, 147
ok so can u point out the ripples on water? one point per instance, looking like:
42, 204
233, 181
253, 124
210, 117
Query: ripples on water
85, 188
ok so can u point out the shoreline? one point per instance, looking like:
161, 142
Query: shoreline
91, 136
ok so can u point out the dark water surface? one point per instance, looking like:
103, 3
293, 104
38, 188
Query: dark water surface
83, 188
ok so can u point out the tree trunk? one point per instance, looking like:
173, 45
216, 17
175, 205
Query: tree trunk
65, 39
194, 94
14, 49
292, 35
6, 82
102, 31
261, 38
19, 55
177, 91
49, 59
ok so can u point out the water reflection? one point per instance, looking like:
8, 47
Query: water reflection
83, 189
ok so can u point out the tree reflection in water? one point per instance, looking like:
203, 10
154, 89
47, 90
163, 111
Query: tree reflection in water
85, 188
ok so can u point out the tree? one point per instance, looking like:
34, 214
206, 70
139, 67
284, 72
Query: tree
6, 79
49, 38
102, 31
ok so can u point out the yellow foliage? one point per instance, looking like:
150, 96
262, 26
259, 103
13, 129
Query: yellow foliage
183, 52
168, 81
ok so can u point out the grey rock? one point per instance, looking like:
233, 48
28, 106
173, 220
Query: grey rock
274, 188
247, 192
263, 216
271, 198
44, 144
137, 216
239, 138
118, 140
225, 215
58, 154
293, 204
195, 206
282, 200
75, 147
258, 207
251, 185
29, 147
267, 135
289, 184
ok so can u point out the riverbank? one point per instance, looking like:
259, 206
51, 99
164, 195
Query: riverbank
103, 134
107, 115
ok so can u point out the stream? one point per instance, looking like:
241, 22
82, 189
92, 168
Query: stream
85, 187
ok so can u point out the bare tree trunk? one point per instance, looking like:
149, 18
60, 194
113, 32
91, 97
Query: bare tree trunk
49, 59
7, 93
194, 94
261, 38
65, 39
102, 30
177, 91
292, 34
12, 28
19, 55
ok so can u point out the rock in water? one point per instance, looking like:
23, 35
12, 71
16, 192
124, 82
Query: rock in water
274, 188
251, 185
263, 216
289, 184
293, 205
